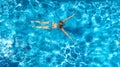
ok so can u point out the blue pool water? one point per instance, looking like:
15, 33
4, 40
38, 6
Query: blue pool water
95, 31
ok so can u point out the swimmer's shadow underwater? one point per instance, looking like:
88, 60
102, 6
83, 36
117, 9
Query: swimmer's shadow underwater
60, 26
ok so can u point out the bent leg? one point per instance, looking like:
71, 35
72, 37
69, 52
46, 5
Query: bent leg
37, 21
41, 27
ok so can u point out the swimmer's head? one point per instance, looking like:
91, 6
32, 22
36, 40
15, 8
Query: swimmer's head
54, 25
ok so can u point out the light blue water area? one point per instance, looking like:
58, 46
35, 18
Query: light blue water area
95, 30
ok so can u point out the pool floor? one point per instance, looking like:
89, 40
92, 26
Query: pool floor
95, 30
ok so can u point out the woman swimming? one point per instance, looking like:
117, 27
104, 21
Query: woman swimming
61, 24
54, 25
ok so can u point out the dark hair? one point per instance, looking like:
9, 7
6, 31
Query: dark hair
61, 24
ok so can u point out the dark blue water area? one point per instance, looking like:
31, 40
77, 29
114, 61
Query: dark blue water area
95, 32
5, 62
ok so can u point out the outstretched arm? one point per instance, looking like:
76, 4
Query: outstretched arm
66, 33
68, 18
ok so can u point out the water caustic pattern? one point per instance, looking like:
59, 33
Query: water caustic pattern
95, 30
